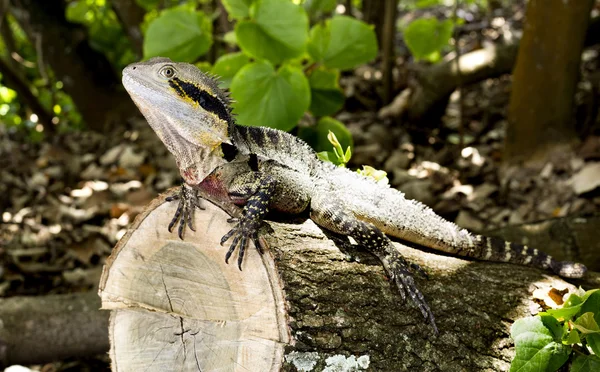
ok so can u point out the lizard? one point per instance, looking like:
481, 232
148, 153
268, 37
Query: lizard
250, 171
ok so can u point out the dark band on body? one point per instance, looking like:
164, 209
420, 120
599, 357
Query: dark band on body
229, 151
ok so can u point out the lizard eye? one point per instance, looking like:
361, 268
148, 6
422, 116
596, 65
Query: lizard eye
167, 71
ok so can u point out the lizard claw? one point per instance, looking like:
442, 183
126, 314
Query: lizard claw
242, 233
406, 285
188, 201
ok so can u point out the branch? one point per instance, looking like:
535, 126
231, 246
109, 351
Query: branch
20, 85
131, 16
43, 329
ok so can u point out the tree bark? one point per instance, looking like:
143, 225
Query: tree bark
176, 303
374, 13
48, 328
86, 74
544, 80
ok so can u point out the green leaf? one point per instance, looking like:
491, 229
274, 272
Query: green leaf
342, 42
277, 31
328, 156
586, 324
327, 96
181, 34
237, 8
553, 325
591, 303
265, 97
316, 135
536, 349
586, 363
570, 308
573, 338
319, 6
593, 341
230, 38
425, 38
228, 65
76, 11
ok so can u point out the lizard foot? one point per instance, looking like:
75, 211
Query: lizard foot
406, 285
188, 201
245, 230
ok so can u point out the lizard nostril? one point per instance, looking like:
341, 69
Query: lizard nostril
133, 68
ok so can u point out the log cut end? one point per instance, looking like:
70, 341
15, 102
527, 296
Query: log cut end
178, 306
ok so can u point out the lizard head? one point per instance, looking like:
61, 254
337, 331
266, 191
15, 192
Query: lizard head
180, 103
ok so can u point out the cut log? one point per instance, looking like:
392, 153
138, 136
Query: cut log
303, 305
43, 329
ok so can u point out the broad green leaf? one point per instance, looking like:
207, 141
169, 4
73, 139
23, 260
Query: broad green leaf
586, 363
266, 97
536, 349
316, 135
427, 37
553, 325
573, 338
237, 8
593, 341
319, 6
326, 95
586, 324
591, 303
342, 42
318, 41
76, 11
277, 30
228, 65
570, 308
180, 33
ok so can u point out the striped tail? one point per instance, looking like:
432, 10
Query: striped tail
498, 250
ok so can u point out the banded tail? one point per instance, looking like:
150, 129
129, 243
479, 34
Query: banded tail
498, 250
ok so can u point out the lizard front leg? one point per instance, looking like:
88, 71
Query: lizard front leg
255, 190
188, 202
329, 211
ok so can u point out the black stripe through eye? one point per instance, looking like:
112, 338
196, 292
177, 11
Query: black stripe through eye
204, 99
177, 88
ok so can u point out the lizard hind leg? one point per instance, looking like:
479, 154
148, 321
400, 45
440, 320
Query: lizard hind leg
329, 212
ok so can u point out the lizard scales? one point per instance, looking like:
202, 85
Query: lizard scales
248, 171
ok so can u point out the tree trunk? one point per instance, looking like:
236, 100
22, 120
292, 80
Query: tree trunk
177, 305
374, 13
86, 74
544, 80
